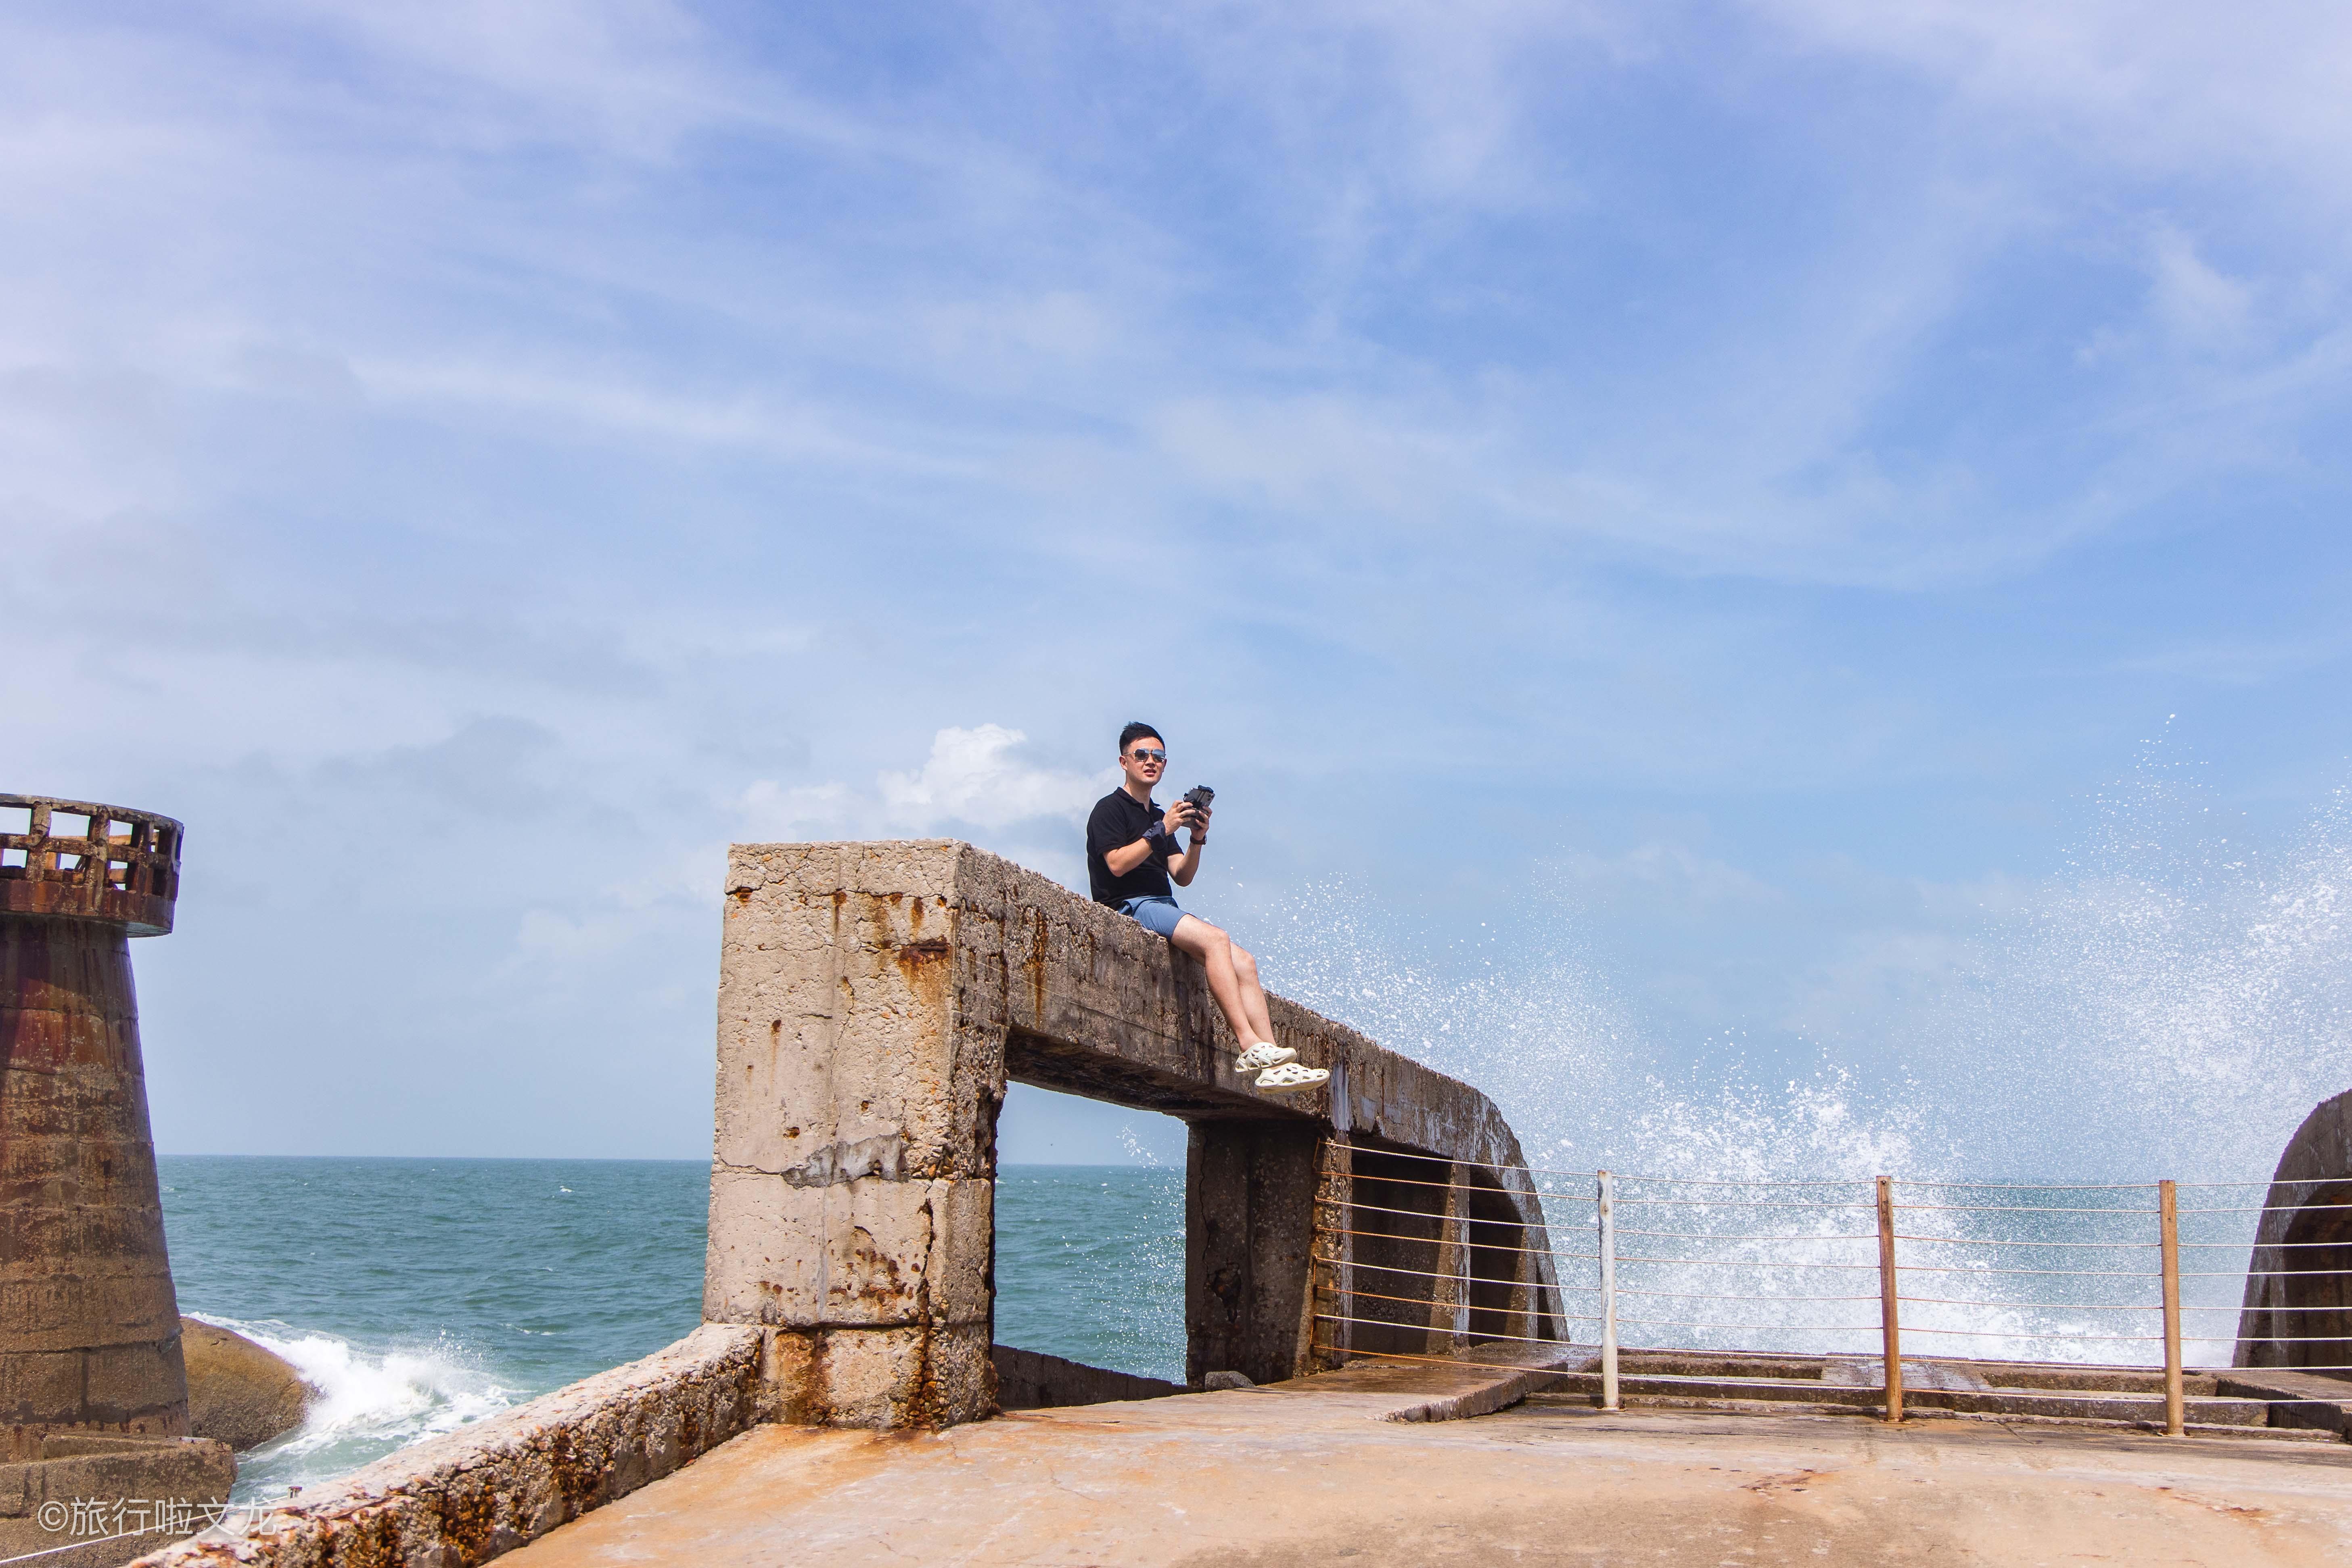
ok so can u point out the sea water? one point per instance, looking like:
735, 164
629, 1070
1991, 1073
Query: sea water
419, 1295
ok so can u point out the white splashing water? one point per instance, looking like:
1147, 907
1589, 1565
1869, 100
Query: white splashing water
367, 1404
1138, 1152
2173, 1003
1574, 1071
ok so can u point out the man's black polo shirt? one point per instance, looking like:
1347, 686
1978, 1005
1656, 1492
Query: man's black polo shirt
1120, 818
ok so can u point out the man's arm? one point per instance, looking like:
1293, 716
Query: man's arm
1127, 857
1181, 867
1102, 833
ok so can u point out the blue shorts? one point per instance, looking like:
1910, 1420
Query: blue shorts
1157, 914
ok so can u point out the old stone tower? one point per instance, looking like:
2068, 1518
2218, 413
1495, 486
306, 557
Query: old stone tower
89, 1329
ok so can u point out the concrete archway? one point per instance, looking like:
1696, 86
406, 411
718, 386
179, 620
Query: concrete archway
875, 999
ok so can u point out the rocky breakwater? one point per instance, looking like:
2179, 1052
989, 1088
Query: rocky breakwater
239, 1391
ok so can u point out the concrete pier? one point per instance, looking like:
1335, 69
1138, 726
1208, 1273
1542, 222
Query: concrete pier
875, 999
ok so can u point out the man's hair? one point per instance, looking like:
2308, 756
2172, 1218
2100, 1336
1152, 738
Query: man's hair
1134, 733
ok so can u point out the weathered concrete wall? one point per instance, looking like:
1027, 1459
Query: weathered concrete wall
1407, 1216
2299, 1306
90, 1327
1029, 1380
853, 1171
874, 1001
468, 1496
1249, 1252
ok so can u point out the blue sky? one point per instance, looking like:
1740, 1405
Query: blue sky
1741, 519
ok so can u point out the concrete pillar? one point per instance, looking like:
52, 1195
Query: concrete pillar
1449, 1295
89, 1325
1509, 1295
1249, 1243
853, 1171
1325, 1337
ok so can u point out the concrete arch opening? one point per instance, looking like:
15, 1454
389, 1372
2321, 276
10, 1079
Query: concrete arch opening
1090, 1241
1250, 1174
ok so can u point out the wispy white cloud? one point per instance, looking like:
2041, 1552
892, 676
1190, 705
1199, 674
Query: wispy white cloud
1752, 442
2201, 304
974, 776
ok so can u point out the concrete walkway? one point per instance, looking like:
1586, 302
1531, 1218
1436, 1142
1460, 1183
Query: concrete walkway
1313, 1473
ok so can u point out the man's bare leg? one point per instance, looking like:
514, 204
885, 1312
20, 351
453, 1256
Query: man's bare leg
1253, 993
1216, 952
1233, 981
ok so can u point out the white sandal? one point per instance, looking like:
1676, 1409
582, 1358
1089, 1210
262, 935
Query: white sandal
1265, 1054
1290, 1077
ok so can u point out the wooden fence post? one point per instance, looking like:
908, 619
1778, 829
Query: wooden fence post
2169, 1219
1608, 1292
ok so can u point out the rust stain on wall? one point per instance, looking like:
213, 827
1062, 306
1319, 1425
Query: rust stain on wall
1036, 965
925, 965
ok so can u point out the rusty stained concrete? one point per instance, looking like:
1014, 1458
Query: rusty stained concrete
1283, 1477
875, 1000
89, 1325
126, 867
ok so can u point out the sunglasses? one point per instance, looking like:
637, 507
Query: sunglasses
1146, 754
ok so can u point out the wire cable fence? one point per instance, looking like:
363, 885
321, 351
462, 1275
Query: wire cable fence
2151, 1275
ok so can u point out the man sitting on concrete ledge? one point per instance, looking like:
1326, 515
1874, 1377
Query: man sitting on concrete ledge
1132, 855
